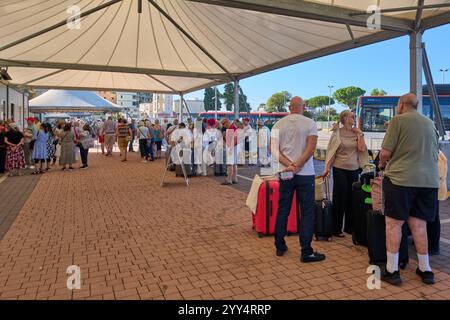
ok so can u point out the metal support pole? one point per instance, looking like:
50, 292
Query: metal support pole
187, 108
180, 110
236, 99
433, 94
215, 103
415, 66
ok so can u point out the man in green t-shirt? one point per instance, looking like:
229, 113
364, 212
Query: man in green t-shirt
410, 186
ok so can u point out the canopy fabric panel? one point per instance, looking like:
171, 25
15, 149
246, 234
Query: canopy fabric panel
71, 101
179, 45
99, 80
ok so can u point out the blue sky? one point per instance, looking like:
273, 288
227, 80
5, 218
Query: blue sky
383, 65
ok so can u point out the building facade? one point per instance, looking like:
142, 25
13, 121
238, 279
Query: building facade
13, 104
129, 100
195, 107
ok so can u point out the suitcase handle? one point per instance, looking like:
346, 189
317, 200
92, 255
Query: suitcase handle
326, 181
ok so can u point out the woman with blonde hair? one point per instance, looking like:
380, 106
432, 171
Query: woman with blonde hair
346, 154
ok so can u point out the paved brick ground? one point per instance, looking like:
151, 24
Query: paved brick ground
134, 240
14, 192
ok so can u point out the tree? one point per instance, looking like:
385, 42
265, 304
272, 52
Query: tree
209, 98
319, 102
378, 92
323, 115
228, 95
348, 96
244, 106
277, 102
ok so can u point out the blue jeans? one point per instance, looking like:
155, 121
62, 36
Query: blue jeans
304, 187
84, 155
150, 149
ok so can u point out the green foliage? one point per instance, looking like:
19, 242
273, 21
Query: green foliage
378, 92
323, 115
319, 102
209, 97
277, 102
228, 95
348, 96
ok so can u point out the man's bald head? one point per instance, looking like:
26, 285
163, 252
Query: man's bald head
296, 105
408, 100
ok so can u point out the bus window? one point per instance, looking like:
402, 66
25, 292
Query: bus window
374, 118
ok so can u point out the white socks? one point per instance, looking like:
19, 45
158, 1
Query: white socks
392, 262
424, 262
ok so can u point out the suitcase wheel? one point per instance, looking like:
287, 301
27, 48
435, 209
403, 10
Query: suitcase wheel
260, 235
403, 265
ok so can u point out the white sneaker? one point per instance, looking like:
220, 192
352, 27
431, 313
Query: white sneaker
31, 167
144, 161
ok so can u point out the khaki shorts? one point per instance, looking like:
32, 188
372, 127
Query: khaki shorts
123, 143
109, 139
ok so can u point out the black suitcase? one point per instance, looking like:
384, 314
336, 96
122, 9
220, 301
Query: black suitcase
360, 206
188, 168
434, 233
323, 218
220, 170
376, 240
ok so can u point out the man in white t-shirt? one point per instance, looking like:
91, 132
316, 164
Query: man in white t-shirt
293, 141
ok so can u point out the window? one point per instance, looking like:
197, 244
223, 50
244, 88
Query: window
375, 117
427, 110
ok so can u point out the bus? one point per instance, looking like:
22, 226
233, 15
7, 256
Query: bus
373, 113
254, 116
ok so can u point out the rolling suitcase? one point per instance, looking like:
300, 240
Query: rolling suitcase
361, 204
323, 217
376, 240
220, 170
434, 233
189, 169
265, 217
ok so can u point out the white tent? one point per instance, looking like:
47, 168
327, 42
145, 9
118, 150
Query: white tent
71, 101
180, 46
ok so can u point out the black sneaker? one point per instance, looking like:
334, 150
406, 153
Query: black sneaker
280, 252
391, 278
315, 257
427, 276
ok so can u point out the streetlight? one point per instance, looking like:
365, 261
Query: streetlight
329, 105
443, 70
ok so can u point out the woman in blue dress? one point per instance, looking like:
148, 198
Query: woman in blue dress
40, 152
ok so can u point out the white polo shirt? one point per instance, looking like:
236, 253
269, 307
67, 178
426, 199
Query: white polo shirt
294, 131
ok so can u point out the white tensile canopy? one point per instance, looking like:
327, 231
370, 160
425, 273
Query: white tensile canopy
71, 101
179, 46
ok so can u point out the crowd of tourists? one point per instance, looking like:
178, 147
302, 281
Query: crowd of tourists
40, 145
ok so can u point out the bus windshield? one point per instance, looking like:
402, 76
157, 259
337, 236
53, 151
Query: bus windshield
374, 117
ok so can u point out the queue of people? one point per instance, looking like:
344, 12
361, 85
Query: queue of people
39, 145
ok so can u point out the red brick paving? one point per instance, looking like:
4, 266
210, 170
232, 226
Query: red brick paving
135, 240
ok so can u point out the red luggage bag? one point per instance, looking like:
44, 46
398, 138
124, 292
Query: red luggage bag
267, 208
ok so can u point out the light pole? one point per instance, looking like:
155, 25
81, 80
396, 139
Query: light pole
443, 70
329, 105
